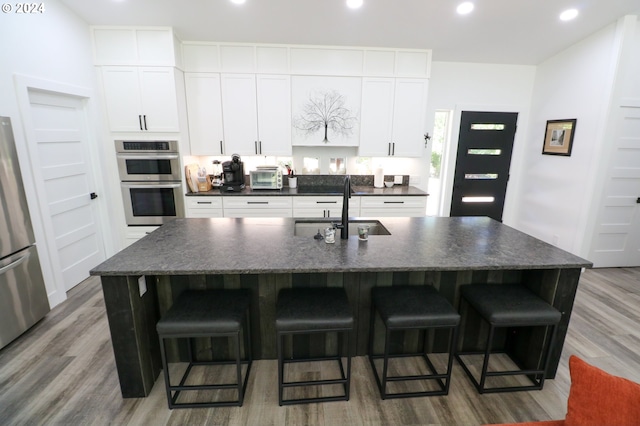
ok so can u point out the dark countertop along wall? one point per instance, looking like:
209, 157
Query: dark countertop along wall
268, 245
315, 185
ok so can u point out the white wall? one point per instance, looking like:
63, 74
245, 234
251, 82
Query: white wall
480, 87
556, 191
52, 46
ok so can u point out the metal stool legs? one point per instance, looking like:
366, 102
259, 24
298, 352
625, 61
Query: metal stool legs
240, 385
443, 379
344, 380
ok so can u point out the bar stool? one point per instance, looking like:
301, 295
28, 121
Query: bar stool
403, 308
509, 306
310, 311
207, 313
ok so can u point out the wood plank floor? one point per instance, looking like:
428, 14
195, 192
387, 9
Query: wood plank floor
62, 372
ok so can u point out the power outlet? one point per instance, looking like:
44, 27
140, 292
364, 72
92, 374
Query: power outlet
142, 285
397, 180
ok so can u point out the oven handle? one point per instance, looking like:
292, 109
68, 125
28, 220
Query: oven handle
148, 184
147, 156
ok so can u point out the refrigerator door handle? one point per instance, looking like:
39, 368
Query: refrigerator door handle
15, 263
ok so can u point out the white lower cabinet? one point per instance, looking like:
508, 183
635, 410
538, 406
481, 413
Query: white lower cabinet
134, 233
324, 206
393, 206
257, 206
204, 206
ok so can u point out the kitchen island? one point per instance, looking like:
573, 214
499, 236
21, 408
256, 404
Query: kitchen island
141, 282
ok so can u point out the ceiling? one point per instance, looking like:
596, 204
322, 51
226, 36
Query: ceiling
498, 31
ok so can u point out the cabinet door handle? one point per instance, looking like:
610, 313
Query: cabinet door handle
393, 202
140, 121
326, 202
260, 146
389, 153
203, 202
256, 144
257, 202
394, 149
221, 150
145, 122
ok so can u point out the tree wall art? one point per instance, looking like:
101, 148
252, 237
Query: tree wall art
326, 110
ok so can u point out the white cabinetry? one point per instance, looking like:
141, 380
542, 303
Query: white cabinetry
204, 109
393, 206
240, 115
256, 114
393, 117
134, 233
274, 114
141, 99
204, 206
324, 206
257, 206
133, 46
376, 117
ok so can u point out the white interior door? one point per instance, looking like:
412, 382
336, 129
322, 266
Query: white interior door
617, 237
60, 154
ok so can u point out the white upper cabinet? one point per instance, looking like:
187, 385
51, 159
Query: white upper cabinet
393, 117
134, 46
376, 117
141, 99
274, 114
240, 115
256, 114
204, 110
409, 111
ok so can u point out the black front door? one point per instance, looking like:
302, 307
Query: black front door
482, 163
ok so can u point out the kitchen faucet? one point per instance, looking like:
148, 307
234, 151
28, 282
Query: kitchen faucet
344, 226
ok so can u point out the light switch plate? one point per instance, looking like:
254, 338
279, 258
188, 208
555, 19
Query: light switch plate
142, 285
397, 180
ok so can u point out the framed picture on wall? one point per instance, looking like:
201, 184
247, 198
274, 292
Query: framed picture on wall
558, 137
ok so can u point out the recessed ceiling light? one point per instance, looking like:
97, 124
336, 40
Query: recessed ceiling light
238, 1
465, 8
568, 14
354, 4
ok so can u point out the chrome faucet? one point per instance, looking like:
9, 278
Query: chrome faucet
344, 226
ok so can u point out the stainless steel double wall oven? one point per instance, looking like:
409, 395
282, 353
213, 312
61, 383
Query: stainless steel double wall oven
151, 181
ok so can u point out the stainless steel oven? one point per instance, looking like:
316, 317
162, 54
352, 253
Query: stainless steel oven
150, 180
148, 161
152, 203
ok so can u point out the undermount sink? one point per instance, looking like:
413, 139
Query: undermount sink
310, 227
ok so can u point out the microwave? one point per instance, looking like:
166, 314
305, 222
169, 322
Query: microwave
266, 177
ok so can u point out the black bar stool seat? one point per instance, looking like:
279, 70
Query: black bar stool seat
509, 306
308, 311
207, 313
404, 308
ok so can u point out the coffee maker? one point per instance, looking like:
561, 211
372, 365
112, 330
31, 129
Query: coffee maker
232, 175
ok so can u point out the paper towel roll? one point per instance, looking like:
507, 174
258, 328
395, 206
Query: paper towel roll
378, 178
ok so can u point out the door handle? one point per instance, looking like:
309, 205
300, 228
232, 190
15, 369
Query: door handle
260, 146
638, 200
145, 122
256, 143
140, 121
93, 195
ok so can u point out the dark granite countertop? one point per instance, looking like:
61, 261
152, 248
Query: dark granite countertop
317, 190
267, 245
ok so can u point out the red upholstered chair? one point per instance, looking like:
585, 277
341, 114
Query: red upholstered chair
597, 398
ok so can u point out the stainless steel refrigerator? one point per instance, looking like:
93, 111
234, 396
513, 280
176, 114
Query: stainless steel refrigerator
23, 297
